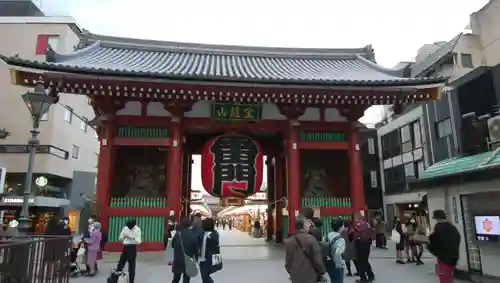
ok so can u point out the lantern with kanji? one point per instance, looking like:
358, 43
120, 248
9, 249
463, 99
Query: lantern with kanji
232, 168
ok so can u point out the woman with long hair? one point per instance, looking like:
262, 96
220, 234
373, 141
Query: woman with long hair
417, 249
210, 260
186, 241
400, 246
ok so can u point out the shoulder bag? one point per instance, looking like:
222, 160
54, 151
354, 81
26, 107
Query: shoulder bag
189, 262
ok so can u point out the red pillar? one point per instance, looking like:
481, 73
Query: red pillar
293, 174
356, 172
104, 174
278, 195
270, 199
174, 167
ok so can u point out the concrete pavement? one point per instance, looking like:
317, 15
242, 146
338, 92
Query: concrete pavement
249, 260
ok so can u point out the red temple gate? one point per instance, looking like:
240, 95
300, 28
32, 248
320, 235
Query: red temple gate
158, 103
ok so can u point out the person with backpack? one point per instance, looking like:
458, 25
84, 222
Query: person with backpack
335, 248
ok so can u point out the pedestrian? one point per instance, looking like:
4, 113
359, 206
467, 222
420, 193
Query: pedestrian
363, 238
315, 223
444, 244
230, 224
416, 240
256, 228
350, 250
131, 236
303, 260
337, 244
86, 234
185, 242
223, 224
210, 257
93, 245
410, 245
400, 242
380, 230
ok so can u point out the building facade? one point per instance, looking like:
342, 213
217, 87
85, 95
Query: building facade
474, 87
68, 151
371, 171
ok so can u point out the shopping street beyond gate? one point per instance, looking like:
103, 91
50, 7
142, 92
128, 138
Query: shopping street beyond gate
250, 260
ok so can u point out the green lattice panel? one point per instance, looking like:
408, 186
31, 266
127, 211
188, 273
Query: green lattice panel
323, 136
326, 202
138, 202
142, 132
285, 226
152, 227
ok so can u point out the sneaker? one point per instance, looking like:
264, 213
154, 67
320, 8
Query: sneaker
349, 274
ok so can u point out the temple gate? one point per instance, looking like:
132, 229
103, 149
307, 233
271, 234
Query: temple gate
158, 103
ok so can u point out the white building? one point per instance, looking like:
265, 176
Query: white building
68, 151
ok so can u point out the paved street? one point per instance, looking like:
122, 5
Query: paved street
249, 260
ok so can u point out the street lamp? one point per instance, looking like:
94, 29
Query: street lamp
38, 102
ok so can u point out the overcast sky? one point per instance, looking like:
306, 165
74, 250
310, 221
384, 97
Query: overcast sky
395, 28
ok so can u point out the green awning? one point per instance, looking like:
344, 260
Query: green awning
461, 164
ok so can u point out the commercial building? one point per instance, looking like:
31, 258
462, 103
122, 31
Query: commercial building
427, 133
67, 155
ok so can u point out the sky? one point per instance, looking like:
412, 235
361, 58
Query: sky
396, 29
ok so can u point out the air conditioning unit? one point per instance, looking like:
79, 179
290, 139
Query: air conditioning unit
494, 128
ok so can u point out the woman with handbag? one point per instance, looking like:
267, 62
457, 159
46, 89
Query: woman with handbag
186, 246
210, 258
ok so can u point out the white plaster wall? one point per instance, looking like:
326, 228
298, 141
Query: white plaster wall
442, 197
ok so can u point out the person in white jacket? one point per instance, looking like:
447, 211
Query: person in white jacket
131, 237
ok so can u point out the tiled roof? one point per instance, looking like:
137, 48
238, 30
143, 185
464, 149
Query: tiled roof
419, 67
461, 165
133, 57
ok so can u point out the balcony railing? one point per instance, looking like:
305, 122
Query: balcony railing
37, 259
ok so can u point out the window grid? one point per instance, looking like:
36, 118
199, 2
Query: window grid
472, 249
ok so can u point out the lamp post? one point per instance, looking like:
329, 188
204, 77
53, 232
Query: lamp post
38, 102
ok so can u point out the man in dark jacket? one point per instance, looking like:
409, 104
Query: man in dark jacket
363, 238
444, 244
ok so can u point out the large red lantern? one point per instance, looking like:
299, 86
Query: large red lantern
232, 166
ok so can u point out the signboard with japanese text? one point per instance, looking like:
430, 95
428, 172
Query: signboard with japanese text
236, 112
232, 166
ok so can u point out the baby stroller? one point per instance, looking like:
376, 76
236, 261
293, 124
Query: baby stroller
76, 257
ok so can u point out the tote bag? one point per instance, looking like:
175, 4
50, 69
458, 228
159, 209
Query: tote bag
395, 236
189, 263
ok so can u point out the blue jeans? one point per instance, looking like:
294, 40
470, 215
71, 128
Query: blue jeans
205, 273
336, 275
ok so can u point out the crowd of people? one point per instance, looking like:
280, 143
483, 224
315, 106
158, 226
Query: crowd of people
310, 256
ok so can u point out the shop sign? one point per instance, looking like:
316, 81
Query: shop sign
236, 112
15, 200
196, 196
258, 196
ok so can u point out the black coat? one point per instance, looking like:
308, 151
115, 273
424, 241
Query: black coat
191, 243
211, 247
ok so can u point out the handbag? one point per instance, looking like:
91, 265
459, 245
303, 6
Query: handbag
395, 236
189, 262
